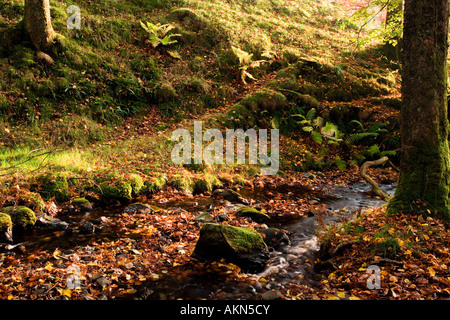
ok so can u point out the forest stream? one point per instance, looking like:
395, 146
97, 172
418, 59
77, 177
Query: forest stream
290, 261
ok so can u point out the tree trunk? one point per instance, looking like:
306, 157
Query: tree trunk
424, 168
38, 24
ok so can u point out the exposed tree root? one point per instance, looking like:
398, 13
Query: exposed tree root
375, 187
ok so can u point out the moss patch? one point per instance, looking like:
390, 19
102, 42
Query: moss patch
54, 185
119, 186
80, 201
5, 222
222, 240
180, 182
21, 217
252, 213
207, 183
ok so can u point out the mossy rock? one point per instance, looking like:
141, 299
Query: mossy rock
180, 182
54, 185
165, 92
207, 183
253, 214
5, 227
117, 186
305, 100
28, 199
228, 194
80, 201
5, 221
121, 190
240, 117
242, 246
265, 99
188, 18
22, 217
82, 204
137, 183
274, 237
154, 185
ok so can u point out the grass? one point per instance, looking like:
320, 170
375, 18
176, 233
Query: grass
67, 117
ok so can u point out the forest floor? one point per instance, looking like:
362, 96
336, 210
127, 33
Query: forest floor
108, 107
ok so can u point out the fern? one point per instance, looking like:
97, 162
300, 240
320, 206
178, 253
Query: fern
317, 137
246, 62
358, 137
388, 153
311, 114
358, 123
159, 34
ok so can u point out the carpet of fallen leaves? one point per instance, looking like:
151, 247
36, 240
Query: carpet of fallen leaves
148, 254
416, 267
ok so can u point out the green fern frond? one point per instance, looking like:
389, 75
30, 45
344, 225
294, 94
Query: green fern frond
361, 126
358, 137
311, 114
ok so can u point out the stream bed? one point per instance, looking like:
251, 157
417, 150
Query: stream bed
286, 263
293, 261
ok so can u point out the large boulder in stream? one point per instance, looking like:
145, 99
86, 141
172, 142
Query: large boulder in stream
244, 247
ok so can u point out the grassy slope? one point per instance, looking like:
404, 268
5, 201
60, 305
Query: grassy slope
105, 72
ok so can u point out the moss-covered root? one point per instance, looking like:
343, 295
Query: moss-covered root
422, 191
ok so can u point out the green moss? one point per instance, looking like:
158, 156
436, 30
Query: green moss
243, 240
119, 186
180, 182
266, 99
424, 189
136, 183
207, 183
122, 190
155, 184
21, 217
165, 93
240, 117
32, 200
5, 222
252, 213
388, 247
80, 201
233, 240
54, 185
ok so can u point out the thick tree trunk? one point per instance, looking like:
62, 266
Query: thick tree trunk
424, 169
38, 24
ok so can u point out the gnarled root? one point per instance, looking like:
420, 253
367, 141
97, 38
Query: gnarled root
375, 187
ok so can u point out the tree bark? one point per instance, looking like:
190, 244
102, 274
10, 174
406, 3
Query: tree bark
424, 168
38, 24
